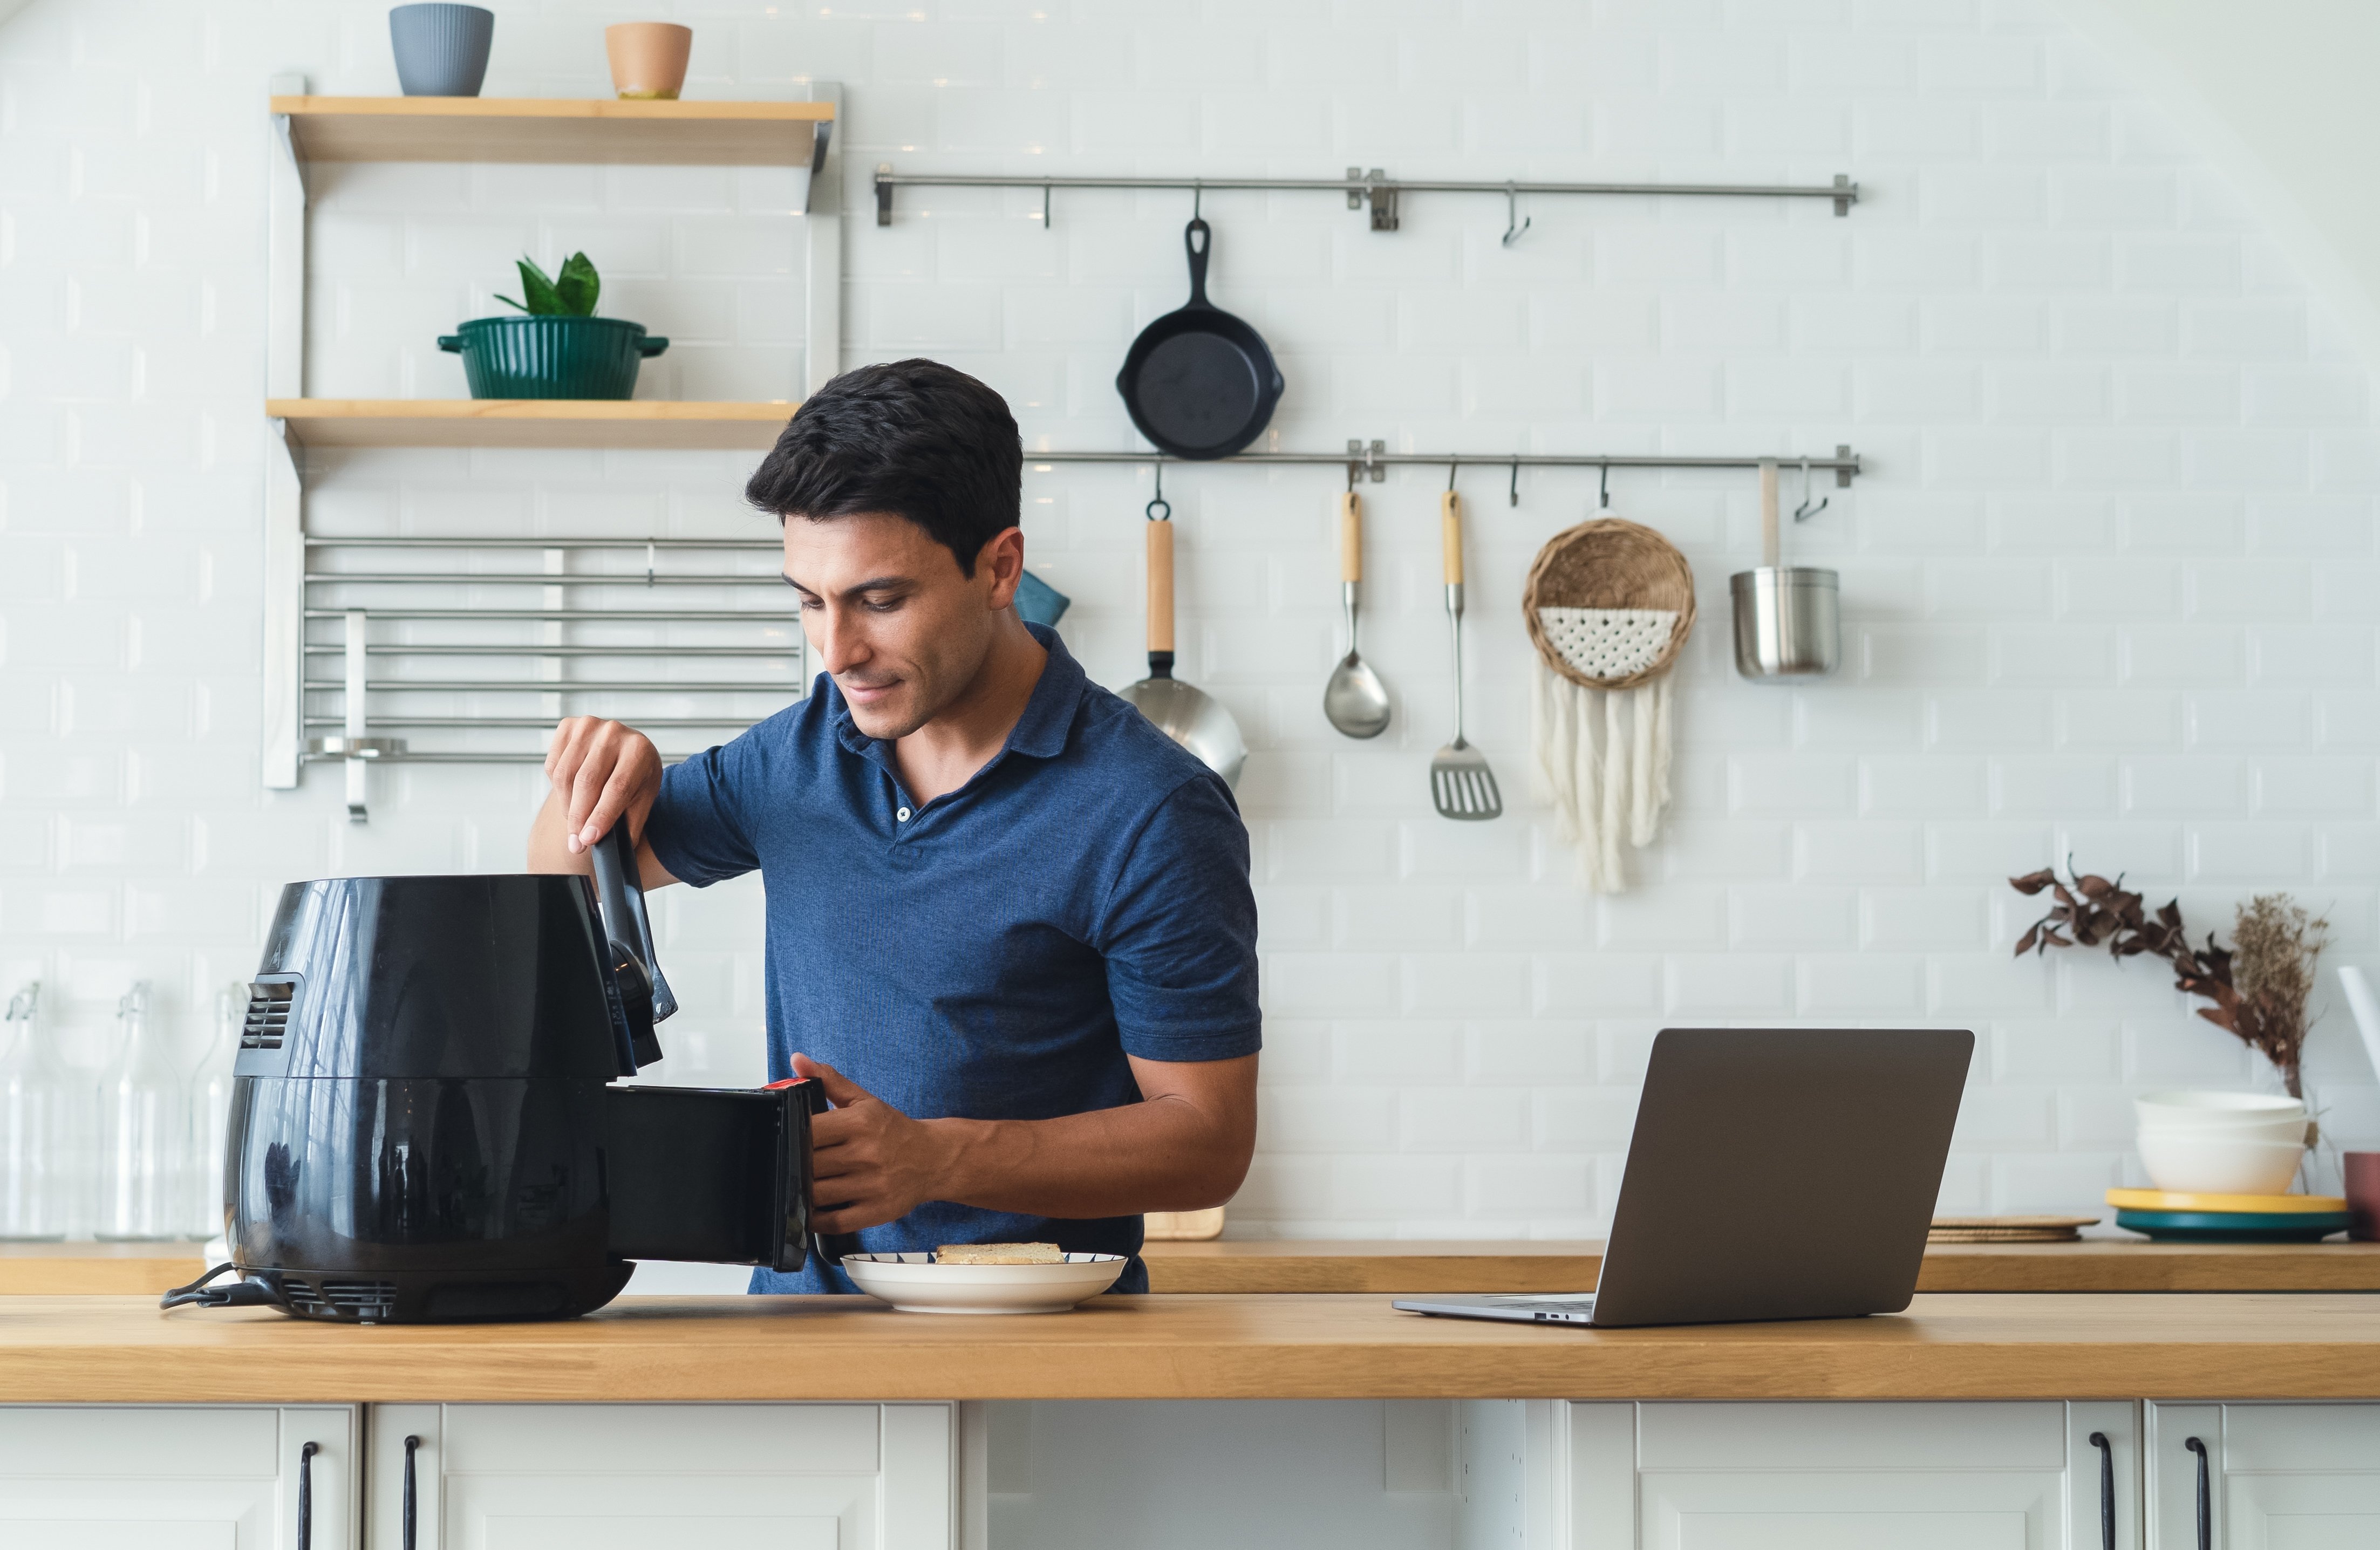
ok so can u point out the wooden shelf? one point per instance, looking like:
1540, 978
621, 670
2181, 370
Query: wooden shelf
554, 129
532, 423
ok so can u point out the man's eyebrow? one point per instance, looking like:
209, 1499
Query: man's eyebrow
873, 584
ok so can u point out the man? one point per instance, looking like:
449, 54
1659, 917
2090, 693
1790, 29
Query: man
1009, 923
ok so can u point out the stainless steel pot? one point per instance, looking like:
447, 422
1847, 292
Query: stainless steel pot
1787, 618
1788, 623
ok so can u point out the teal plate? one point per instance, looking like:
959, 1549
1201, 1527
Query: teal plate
2235, 1226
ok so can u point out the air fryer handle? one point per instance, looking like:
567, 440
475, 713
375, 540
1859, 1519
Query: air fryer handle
828, 1247
622, 895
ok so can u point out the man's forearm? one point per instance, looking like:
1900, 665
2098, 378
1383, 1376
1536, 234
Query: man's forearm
1162, 1155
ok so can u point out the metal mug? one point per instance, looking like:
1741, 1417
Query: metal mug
1788, 621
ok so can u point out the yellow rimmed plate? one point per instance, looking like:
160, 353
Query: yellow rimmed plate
2259, 1204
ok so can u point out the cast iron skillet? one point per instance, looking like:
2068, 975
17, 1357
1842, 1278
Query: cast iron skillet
1199, 383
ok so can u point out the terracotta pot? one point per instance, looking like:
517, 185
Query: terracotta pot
648, 58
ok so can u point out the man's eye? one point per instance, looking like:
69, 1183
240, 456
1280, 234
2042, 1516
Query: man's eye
883, 605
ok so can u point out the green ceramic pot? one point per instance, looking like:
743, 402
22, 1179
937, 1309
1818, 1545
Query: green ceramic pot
551, 357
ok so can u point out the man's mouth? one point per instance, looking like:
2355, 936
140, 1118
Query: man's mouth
859, 693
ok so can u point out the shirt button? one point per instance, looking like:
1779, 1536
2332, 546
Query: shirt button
903, 815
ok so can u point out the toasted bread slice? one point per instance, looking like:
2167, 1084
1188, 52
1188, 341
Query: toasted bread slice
1000, 1254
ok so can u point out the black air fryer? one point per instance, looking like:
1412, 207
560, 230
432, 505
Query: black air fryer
424, 1125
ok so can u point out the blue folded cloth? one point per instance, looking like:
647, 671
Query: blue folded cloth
1037, 602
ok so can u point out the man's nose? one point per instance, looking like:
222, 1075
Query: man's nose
841, 645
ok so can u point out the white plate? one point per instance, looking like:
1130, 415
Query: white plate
915, 1284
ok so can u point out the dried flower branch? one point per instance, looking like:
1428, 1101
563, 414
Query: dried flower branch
2259, 988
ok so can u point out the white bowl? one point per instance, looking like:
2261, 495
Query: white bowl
2215, 1164
2289, 1128
2218, 1107
915, 1284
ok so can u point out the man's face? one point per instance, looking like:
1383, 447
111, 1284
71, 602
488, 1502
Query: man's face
885, 607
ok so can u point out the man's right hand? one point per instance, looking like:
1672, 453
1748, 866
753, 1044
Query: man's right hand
603, 772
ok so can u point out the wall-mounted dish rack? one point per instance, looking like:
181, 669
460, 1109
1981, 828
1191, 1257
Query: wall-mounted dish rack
419, 651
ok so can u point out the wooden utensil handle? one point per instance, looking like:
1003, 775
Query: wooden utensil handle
1351, 537
1450, 532
1770, 546
1160, 586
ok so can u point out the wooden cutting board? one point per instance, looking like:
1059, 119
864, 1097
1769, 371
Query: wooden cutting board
1183, 1226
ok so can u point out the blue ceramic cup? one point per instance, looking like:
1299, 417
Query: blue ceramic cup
442, 51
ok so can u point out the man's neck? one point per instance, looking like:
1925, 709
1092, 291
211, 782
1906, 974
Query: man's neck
944, 754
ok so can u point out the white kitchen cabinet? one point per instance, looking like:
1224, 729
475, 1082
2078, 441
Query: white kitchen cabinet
1844, 1475
634, 1476
2275, 1476
195, 1477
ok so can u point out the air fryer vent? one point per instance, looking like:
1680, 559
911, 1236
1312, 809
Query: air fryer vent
363, 1299
268, 1014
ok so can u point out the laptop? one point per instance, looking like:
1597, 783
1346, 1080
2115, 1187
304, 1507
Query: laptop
1775, 1173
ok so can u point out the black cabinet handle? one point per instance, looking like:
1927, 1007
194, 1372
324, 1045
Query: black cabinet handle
2107, 1490
2205, 1495
412, 1445
306, 1495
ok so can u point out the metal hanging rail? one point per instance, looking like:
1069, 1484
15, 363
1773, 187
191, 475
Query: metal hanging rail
1371, 459
1375, 187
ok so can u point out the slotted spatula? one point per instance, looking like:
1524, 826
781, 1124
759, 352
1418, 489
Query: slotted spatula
1460, 781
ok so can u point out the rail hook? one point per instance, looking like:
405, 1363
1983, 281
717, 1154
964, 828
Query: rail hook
1514, 227
1198, 199
1603, 493
1451, 465
1516, 483
1805, 511
1159, 508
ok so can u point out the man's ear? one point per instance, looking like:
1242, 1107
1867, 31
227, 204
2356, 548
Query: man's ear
1002, 557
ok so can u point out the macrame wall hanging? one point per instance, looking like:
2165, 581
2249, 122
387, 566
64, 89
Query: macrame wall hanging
1609, 605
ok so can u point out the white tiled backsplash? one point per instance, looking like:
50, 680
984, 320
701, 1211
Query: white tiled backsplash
2109, 586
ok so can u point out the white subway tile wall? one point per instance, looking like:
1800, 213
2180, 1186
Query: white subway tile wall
2107, 582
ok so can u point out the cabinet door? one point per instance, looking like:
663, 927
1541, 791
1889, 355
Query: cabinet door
630, 1477
196, 1477
2275, 1477
1857, 1475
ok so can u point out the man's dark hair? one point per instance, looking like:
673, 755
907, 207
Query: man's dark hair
913, 438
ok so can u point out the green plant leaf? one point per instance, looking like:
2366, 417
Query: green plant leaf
577, 286
544, 301
510, 302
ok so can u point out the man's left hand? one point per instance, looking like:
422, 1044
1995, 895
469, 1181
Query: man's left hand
871, 1161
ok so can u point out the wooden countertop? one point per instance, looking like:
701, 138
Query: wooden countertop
2217, 1347
2093, 1264
1226, 1267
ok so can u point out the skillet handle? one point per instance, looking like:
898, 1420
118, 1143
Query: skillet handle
1199, 238
1350, 538
1160, 599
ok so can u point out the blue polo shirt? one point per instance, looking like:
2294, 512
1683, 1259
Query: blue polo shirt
997, 953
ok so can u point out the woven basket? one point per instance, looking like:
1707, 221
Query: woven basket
1609, 563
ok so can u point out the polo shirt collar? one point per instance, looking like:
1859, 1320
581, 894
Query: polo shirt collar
1040, 732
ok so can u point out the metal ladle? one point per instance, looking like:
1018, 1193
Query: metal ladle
1355, 700
1188, 715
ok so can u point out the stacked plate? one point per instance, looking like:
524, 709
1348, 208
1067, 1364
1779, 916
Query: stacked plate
2229, 1218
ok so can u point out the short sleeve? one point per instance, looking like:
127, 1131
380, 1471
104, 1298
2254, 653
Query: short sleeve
696, 828
1179, 933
